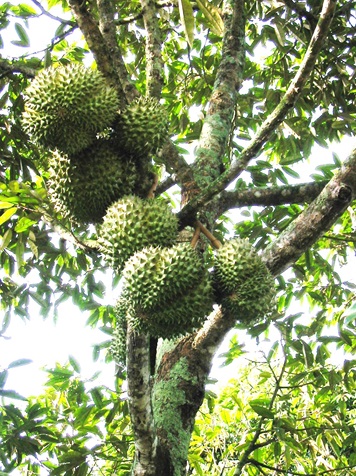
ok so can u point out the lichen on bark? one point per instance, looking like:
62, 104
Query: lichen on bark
168, 401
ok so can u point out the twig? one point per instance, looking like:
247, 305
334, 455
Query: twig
7, 68
195, 236
213, 240
49, 15
153, 188
176, 164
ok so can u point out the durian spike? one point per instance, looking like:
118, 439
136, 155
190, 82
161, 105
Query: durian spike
214, 241
152, 190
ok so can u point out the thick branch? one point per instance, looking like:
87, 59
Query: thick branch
176, 164
199, 349
154, 61
96, 43
107, 28
261, 196
139, 391
302, 12
315, 220
303, 232
8, 68
217, 125
274, 119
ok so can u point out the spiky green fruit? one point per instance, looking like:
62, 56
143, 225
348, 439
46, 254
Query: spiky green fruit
142, 127
82, 186
155, 276
180, 316
132, 224
66, 107
242, 279
118, 344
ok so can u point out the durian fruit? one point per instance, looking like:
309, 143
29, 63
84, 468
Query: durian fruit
155, 276
243, 281
180, 316
131, 224
66, 107
82, 186
142, 127
118, 344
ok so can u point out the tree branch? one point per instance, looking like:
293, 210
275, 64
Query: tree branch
53, 17
107, 28
154, 61
314, 221
176, 164
217, 125
7, 68
48, 216
139, 391
187, 214
200, 348
294, 473
262, 196
96, 43
303, 232
302, 12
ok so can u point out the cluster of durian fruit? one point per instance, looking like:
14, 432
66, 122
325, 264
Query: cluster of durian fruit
100, 171
99, 153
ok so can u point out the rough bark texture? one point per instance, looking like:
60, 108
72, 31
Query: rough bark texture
96, 42
219, 119
261, 196
139, 392
154, 68
107, 28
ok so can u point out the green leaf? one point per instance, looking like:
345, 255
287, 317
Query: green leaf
23, 224
24, 39
19, 251
4, 205
308, 354
6, 239
3, 378
212, 15
12, 394
7, 215
262, 411
19, 363
97, 397
278, 28
24, 11
187, 18
47, 58
74, 363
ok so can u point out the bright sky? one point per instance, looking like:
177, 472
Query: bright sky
46, 343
